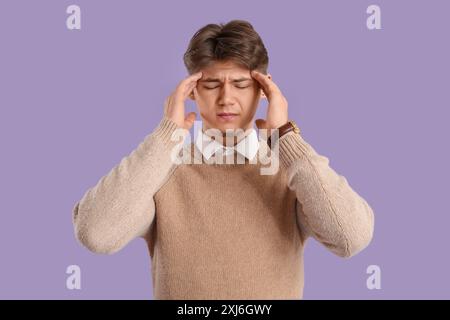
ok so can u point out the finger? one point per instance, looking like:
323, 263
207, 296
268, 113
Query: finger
189, 89
183, 92
193, 93
261, 124
189, 83
196, 76
192, 78
263, 84
266, 82
189, 120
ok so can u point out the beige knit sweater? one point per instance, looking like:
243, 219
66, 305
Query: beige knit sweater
223, 231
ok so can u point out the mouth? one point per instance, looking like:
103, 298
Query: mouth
227, 116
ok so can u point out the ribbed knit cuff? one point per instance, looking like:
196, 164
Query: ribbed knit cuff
292, 147
163, 132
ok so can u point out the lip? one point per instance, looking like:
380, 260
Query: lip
227, 116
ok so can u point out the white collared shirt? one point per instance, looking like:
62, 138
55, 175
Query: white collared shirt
248, 147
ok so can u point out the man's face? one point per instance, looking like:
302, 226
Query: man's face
227, 88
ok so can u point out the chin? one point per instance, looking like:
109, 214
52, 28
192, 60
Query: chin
224, 126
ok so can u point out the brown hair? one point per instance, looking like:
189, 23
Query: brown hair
236, 41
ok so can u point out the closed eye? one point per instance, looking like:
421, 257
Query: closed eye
211, 88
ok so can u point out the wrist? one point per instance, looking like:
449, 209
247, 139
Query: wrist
289, 126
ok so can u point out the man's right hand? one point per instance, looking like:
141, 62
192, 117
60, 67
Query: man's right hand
174, 104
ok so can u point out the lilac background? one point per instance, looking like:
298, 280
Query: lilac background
73, 103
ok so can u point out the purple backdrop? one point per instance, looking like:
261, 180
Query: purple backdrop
74, 102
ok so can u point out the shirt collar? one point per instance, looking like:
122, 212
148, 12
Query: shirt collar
248, 147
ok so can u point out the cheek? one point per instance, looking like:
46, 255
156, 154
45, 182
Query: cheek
250, 99
206, 97
205, 107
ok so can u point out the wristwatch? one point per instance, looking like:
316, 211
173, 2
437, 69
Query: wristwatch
287, 127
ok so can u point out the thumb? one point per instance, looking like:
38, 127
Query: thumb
189, 120
261, 123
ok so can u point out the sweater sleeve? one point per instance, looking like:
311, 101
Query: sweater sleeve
327, 208
120, 207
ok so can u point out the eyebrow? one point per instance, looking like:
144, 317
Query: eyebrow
218, 80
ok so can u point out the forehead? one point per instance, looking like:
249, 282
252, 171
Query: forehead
222, 70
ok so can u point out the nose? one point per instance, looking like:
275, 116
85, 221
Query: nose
225, 95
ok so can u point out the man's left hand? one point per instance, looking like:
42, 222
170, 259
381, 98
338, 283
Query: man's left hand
277, 110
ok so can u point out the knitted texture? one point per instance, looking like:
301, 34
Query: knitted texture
223, 231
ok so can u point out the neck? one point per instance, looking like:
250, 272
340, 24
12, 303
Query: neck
236, 134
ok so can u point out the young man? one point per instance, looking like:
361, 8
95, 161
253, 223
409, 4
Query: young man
223, 230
